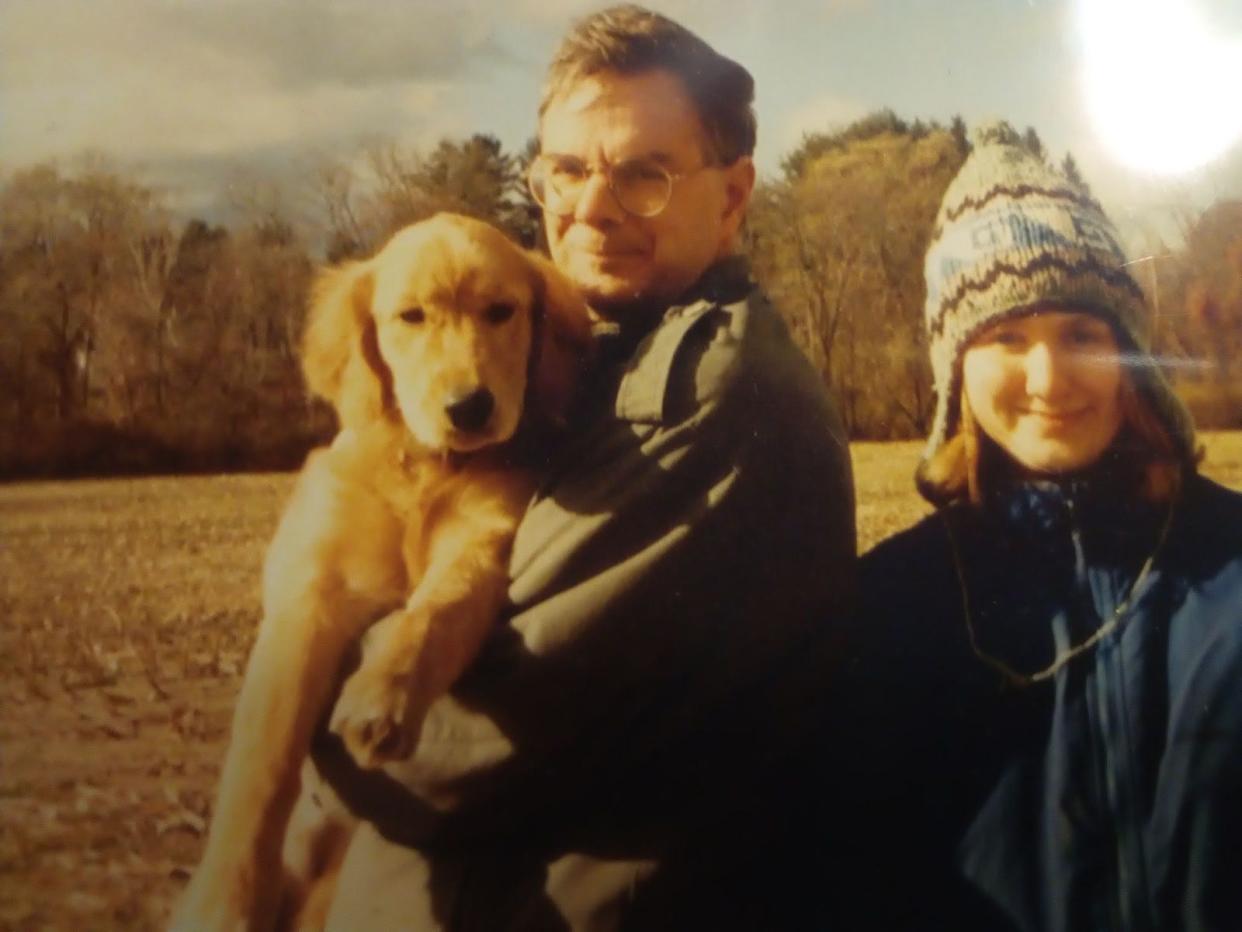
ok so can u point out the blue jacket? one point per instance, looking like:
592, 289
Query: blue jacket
1108, 796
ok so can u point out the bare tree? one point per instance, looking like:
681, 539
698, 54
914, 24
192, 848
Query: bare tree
840, 243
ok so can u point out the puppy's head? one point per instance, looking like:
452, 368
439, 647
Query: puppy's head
450, 328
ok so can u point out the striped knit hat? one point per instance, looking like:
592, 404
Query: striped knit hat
1013, 234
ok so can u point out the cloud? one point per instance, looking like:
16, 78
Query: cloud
333, 42
152, 114
164, 80
291, 42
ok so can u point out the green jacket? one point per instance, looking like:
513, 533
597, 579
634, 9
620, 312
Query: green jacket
624, 752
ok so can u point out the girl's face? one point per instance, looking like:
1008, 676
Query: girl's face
1045, 388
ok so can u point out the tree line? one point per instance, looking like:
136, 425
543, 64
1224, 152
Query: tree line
131, 341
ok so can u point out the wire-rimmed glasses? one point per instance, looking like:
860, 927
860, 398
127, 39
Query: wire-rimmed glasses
642, 187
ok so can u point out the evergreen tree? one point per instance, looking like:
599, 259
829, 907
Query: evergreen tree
1034, 144
957, 129
1069, 168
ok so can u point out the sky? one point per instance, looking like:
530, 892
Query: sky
192, 95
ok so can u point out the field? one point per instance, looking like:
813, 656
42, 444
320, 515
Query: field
126, 610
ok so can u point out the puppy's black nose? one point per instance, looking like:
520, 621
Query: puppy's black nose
471, 410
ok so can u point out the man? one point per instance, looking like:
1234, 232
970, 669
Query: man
623, 752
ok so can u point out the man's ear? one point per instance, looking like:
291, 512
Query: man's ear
340, 349
739, 185
565, 343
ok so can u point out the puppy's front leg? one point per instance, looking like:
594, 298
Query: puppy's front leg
288, 682
322, 586
419, 652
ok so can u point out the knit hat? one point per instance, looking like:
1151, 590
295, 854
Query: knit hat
1013, 234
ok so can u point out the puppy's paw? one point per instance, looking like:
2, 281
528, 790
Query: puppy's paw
377, 718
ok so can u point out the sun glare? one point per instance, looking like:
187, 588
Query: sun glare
1163, 89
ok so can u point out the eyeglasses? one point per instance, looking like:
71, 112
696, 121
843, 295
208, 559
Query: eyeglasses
642, 187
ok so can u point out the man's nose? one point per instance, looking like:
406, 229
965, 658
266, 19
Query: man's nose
1045, 370
597, 203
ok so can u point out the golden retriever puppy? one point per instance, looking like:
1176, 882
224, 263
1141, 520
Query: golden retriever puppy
440, 354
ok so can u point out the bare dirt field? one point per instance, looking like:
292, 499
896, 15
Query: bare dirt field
126, 610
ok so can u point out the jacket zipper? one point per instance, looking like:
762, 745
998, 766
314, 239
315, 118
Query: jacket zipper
1103, 720
1112, 739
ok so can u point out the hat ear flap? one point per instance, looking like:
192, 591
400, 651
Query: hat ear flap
565, 344
340, 350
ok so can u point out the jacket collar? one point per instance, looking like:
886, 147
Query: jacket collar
646, 353
1101, 506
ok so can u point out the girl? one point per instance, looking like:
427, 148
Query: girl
1048, 684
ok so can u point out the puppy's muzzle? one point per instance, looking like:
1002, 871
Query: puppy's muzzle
470, 411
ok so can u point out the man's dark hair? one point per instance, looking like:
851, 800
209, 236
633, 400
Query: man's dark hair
629, 40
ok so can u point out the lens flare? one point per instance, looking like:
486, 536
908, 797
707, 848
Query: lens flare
1162, 87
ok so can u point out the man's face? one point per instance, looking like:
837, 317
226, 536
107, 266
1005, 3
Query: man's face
617, 259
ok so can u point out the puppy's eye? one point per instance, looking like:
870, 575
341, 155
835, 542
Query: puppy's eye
413, 315
498, 313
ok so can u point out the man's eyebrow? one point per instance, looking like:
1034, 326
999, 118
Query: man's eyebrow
666, 159
657, 155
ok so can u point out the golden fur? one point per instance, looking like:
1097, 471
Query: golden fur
406, 514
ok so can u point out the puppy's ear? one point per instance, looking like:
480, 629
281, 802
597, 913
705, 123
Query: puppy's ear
340, 350
565, 345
